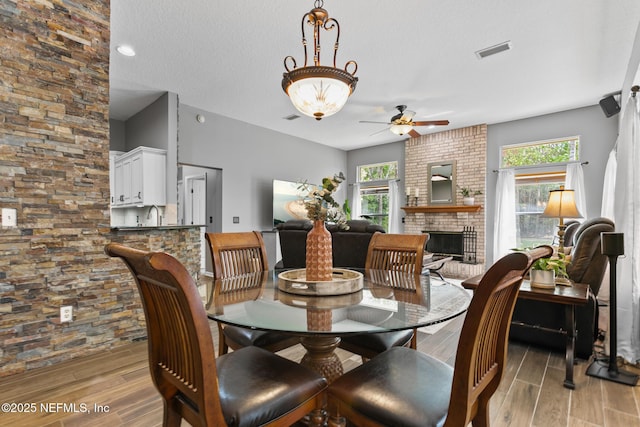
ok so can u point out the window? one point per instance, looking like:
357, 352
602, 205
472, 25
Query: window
378, 172
532, 194
374, 191
532, 189
540, 153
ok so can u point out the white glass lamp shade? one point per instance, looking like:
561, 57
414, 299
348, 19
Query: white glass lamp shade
400, 129
318, 91
319, 97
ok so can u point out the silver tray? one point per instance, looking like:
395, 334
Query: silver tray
344, 282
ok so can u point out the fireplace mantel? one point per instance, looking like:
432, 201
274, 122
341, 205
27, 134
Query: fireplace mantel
442, 208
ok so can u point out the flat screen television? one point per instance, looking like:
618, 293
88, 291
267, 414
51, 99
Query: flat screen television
287, 202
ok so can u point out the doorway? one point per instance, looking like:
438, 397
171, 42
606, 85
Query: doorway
200, 203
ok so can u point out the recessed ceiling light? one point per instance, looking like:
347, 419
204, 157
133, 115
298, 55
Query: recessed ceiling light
126, 50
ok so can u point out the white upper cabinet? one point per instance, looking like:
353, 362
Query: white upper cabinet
140, 178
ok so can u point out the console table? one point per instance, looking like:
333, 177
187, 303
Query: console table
569, 296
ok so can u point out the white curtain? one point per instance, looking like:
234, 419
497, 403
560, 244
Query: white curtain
609, 187
574, 180
627, 220
608, 193
395, 218
504, 224
356, 209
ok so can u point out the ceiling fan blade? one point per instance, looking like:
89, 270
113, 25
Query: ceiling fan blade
432, 123
368, 121
380, 131
413, 133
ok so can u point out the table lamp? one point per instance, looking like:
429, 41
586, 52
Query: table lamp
561, 204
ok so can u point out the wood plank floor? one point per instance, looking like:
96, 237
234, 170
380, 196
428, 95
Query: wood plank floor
114, 389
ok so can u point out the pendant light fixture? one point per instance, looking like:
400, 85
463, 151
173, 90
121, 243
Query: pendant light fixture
318, 91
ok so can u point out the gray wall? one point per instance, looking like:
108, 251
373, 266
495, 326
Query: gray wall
117, 136
250, 158
149, 127
597, 137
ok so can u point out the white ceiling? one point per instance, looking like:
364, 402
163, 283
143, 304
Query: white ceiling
226, 57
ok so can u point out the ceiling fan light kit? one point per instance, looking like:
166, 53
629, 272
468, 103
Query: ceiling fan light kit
400, 129
318, 91
402, 123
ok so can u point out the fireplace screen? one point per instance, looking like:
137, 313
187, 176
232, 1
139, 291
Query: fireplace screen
461, 245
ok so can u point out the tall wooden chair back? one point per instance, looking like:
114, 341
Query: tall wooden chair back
398, 252
380, 393
392, 256
234, 254
183, 364
181, 351
482, 347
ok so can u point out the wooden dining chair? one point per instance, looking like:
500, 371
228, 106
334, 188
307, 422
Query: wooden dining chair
396, 252
251, 386
400, 253
233, 255
406, 387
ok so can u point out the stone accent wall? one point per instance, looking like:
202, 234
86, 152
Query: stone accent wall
54, 170
468, 146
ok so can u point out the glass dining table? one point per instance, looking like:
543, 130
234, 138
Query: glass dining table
388, 301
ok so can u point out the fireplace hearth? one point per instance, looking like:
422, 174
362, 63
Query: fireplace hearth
461, 245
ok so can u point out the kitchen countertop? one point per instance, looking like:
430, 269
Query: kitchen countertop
147, 228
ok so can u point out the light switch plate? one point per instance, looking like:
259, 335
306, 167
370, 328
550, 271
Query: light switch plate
9, 217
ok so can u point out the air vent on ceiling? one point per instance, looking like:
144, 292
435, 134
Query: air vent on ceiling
291, 117
483, 53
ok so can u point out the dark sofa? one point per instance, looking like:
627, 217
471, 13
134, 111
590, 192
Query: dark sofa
588, 266
349, 246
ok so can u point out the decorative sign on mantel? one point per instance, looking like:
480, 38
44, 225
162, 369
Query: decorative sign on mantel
442, 208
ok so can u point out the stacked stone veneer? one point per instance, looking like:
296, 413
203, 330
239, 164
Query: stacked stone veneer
54, 170
468, 146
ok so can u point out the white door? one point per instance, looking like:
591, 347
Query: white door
196, 208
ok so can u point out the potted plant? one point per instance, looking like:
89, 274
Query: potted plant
545, 271
468, 195
321, 207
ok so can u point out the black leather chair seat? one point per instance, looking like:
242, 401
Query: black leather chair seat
400, 382
377, 343
250, 400
246, 337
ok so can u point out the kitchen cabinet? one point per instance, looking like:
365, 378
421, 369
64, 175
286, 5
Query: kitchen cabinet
140, 178
112, 171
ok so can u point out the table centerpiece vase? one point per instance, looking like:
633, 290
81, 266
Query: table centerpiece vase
319, 260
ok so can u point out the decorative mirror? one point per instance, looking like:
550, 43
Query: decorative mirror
442, 182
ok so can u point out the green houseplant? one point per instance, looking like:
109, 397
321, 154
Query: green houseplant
546, 271
468, 195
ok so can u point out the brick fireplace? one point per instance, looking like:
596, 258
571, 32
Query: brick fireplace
468, 146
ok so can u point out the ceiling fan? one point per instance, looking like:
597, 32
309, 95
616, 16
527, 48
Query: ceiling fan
403, 122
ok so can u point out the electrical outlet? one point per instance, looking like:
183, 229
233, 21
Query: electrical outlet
66, 313
9, 217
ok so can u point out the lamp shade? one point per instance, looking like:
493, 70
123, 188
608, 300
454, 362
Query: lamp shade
562, 204
318, 92
400, 129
